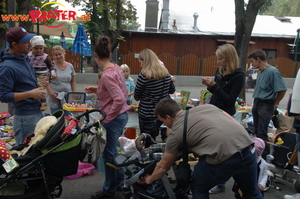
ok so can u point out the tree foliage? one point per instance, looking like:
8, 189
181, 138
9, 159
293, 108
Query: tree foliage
24, 6
282, 8
108, 17
3, 10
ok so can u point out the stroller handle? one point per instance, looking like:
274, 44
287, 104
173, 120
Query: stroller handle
95, 123
276, 145
87, 112
144, 140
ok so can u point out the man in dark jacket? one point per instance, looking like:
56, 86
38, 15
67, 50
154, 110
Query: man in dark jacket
18, 83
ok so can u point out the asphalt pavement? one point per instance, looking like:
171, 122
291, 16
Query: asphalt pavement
83, 187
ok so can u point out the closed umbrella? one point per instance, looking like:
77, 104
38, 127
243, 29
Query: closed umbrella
81, 44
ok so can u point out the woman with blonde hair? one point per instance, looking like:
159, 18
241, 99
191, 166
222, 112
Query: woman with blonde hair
226, 86
227, 58
229, 79
64, 82
153, 84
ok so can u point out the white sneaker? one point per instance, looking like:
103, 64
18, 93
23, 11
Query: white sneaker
296, 196
216, 189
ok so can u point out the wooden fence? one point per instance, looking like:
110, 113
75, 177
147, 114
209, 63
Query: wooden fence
192, 65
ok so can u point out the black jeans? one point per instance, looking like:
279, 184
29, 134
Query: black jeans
150, 126
262, 111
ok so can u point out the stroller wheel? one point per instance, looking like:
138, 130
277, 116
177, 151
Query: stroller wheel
57, 191
297, 185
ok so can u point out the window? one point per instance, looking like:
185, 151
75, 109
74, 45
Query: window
283, 19
271, 54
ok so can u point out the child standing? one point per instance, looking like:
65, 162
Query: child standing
262, 168
251, 79
41, 63
129, 82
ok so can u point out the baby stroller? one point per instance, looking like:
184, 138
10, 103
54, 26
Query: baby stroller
141, 163
41, 170
281, 151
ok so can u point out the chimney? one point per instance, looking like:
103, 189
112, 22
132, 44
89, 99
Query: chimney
165, 16
151, 15
196, 15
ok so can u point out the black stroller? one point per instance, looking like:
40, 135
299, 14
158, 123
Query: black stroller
141, 163
41, 170
281, 154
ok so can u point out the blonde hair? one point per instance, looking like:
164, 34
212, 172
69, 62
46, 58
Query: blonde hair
125, 67
229, 53
58, 48
152, 66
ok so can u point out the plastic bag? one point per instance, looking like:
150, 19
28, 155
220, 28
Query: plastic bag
128, 145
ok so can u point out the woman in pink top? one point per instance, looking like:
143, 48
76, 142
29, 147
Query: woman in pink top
112, 95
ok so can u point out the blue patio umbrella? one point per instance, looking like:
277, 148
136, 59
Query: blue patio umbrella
81, 44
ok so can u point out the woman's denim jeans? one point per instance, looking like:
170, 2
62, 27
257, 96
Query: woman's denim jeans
113, 178
24, 126
243, 168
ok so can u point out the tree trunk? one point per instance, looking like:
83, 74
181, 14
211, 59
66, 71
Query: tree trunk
3, 27
2, 35
244, 21
94, 35
24, 6
115, 40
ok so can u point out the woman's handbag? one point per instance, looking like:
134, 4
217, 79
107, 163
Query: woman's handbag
184, 172
92, 144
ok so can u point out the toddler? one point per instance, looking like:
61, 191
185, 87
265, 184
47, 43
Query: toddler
262, 168
129, 82
41, 63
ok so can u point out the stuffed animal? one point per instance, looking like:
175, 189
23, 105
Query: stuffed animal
4, 154
40, 131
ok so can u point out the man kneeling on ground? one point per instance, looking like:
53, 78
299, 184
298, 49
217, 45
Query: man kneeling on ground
223, 145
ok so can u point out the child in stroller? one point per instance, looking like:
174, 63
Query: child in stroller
41, 170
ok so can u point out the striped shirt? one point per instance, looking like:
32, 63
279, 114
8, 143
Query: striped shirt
149, 92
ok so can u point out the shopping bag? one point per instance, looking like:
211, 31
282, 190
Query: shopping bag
254, 75
285, 122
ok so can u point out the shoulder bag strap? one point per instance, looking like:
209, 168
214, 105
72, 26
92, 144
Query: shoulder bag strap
185, 151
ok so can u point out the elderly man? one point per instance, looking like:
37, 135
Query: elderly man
223, 145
